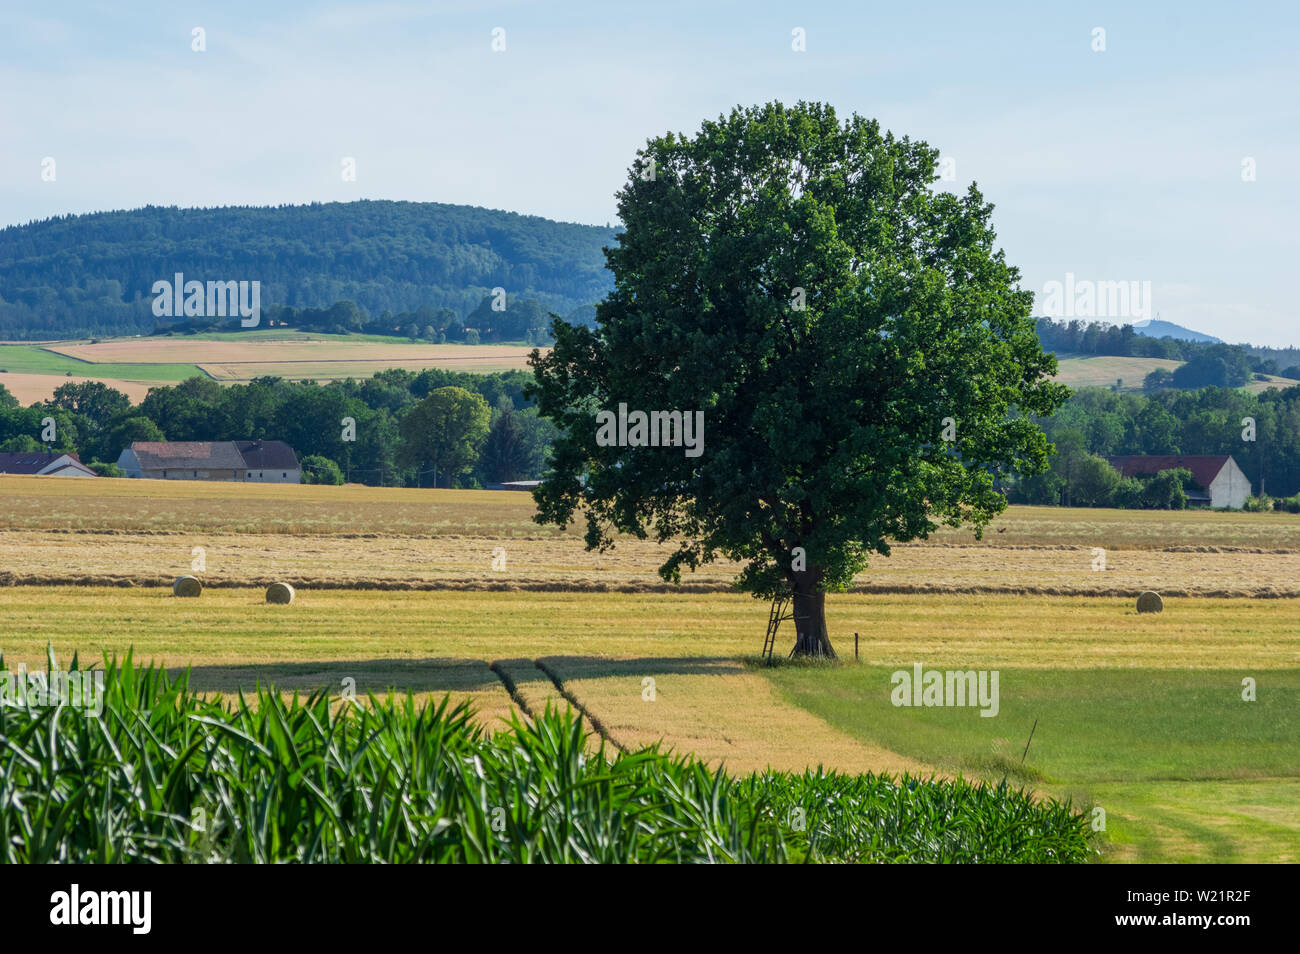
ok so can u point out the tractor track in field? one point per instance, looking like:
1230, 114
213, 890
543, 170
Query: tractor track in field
573, 701
511, 688
517, 697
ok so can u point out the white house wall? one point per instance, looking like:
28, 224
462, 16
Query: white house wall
1230, 488
128, 462
292, 476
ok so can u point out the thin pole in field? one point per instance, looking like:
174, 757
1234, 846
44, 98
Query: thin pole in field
1031, 738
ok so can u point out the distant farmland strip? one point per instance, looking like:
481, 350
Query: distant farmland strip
348, 368
30, 388
33, 360
268, 350
237, 358
1129, 373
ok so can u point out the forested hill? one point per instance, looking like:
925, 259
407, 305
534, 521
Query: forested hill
83, 275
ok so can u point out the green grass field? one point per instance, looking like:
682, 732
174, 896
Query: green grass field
1140, 743
33, 359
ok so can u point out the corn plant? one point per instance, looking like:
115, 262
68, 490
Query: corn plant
165, 775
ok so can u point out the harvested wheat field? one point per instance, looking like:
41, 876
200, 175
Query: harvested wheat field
29, 388
315, 509
716, 708
458, 561
143, 533
236, 627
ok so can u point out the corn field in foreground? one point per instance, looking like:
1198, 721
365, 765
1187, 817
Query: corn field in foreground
162, 775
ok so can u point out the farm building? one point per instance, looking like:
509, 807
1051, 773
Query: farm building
272, 462
44, 464
1221, 481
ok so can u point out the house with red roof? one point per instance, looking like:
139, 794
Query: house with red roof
1221, 481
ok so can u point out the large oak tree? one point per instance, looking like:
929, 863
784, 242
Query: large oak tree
802, 282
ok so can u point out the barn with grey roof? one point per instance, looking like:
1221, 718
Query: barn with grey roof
272, 462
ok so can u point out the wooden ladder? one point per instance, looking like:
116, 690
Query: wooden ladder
774, 618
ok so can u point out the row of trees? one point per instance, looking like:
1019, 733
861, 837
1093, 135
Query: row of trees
1096, 423
1214, 366
398, 428
484, 430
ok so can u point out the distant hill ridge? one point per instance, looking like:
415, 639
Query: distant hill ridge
81, 275
1155, 328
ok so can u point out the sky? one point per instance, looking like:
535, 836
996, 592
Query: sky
1163, 150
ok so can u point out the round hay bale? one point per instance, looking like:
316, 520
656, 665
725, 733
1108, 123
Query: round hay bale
187, 586
1150, 602
279, 593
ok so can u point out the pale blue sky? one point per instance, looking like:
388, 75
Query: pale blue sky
1116, 165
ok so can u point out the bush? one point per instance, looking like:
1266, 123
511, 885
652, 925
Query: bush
317, 469
106, 470
1261, 504
1158, 379
1093, 482
1165, 490
1128, 494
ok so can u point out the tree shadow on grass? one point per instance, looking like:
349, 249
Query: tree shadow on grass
438, 674
377, 676
591, 667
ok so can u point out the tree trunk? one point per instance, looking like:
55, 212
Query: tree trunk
810, 622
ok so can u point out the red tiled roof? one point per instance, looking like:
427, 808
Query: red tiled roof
187, 455
1204, 467
215, 455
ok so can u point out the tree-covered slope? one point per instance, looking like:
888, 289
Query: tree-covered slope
94, 274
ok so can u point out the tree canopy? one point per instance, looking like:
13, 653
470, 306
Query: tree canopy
445, 431
835, 318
